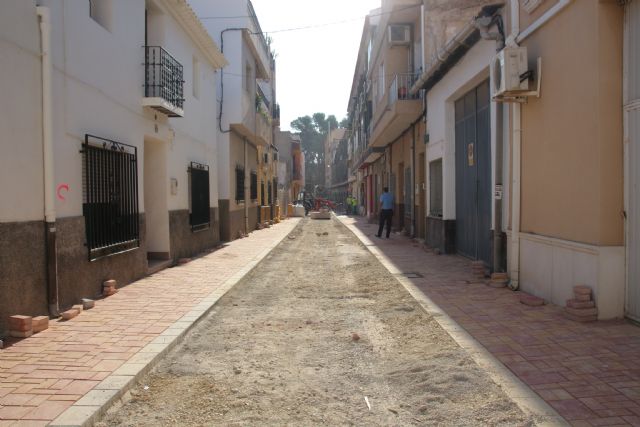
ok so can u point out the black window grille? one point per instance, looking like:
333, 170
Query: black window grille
163, 76
254, 185
275, 189
239, 184
200, 217
275, 156
269, 193
435, 188
266, 157
110, 196
262, 198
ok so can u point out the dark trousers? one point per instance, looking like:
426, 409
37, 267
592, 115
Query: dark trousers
385, 217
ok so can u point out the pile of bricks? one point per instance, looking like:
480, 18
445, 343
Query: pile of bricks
25, 326
109, 288
477, 269
581, 308
498, 280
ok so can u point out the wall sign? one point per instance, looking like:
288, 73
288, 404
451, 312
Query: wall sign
470, 158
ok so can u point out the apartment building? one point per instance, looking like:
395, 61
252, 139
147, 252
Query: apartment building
244, 121
118, 97
529, 179
336, 175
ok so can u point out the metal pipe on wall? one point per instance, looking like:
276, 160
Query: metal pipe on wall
48, 165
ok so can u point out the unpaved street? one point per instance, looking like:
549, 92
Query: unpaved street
318, 334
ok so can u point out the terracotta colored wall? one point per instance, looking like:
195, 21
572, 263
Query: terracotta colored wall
572, 153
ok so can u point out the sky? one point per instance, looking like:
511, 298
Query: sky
314, 66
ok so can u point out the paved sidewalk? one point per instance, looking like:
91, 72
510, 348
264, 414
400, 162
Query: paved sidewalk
73, 370
589, 373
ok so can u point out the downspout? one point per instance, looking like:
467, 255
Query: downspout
413, 180
48, 166
516, 138
247, 197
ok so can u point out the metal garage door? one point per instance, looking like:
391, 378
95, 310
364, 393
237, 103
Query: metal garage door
473, 174
632, 134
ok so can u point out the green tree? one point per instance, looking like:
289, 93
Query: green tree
313, 132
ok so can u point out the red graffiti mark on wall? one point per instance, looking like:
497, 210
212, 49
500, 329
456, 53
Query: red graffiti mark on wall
62, 188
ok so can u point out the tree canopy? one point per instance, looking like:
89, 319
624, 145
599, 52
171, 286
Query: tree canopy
313, 132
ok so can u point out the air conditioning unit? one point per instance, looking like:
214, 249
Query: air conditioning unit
509, 72
399, 35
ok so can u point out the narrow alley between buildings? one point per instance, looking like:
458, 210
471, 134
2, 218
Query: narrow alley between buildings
319, 333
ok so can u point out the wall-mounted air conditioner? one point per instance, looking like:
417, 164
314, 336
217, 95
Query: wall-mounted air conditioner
399, 34
509, 72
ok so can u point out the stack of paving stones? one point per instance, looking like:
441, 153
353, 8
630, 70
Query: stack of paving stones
498, 280
25, 326
109, 288
581, 308
477, 269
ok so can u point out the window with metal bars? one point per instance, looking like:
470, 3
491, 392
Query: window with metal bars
254, 185
275, 190
110, 196
435, 188
200, 215
269, 193
239, 184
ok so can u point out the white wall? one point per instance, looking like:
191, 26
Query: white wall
98, 89
21, 175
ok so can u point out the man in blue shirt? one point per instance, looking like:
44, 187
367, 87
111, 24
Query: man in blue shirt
386, 212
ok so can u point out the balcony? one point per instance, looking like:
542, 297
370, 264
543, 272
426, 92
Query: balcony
257, 124
396, 110
163, 82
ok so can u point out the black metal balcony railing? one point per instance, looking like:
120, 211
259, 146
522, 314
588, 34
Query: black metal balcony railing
164, 76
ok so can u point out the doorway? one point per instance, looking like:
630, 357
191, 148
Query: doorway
422, 197
473, 174
155, 200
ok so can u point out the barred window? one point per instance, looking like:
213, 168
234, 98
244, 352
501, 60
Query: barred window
110, 196
200, 215
269, 194
435, 188
275, 189
254, 185
239, 184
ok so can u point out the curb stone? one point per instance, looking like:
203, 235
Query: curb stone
94, 404
526, 399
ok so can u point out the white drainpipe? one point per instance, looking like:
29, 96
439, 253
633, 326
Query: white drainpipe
48, 165
47, 124
516, 140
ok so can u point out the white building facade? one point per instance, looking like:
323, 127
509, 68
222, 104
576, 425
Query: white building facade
121, 99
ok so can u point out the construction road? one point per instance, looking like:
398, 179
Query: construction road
318, 333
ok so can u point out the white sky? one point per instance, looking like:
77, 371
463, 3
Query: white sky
314, 66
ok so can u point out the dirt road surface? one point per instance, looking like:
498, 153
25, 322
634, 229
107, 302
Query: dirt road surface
318, 334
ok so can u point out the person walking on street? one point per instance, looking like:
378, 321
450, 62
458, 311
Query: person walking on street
386, 212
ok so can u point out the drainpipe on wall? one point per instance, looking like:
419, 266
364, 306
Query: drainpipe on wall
47, 149
247, 196
516, 139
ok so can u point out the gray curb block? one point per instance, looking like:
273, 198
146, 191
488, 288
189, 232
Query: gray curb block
87, 410
526, 399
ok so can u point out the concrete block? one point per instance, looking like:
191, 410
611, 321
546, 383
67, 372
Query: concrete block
500, 276
21, 334
320, 215
110, 284
40, 323
530, 300
582, 312
572, 303
20, 323
582, 290
88, 304
69, 314
78, 308
582, 297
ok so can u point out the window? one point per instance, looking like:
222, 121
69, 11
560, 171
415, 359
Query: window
435, 188
266, 157
200, 215
196, 78
248, 78
100, 11
254, 185
381, 82
239, 184
275, 156
110, 196
269, 193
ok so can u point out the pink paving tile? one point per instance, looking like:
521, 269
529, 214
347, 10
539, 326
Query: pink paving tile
48, 410
572, 409
14, 412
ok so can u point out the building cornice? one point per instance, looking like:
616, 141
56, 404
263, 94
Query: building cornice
190, 23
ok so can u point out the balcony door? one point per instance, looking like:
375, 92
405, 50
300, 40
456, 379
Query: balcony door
473, 174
